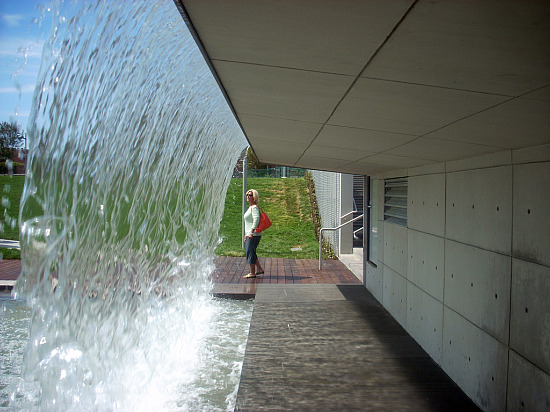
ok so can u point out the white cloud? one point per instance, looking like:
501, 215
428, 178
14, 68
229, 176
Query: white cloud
18, 47
12, 20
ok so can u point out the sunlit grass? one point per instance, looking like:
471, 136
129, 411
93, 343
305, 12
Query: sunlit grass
11, 189
286, 201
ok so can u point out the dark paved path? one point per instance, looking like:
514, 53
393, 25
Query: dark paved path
335, 348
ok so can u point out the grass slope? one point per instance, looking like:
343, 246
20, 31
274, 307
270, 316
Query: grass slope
11, 188
286, 201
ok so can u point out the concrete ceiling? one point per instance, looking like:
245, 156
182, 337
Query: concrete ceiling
369, 86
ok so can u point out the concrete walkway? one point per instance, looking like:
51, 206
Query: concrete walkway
335, 348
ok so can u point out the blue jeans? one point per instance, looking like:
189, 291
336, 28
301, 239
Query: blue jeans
250, 248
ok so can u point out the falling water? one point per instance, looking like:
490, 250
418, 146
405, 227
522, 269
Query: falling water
131, 151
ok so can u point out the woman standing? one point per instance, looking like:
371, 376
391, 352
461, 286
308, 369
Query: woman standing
251, 237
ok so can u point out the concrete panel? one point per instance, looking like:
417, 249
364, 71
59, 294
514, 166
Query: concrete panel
478, 210
396, 107
391, 174
475, 361
395, 295
395, 247
477, 285
380, 199
502, 158
427, 170
374, 281
346, 206
425, 321
528, 386
531, 222
282, 92
380, 246
426, 263
426, 204
531, 154
530, 312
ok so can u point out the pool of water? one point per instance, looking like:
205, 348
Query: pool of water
209, 381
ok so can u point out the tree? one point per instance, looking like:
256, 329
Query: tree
11, 139
253, 162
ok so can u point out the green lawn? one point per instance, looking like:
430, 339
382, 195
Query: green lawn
11, 189
286, 201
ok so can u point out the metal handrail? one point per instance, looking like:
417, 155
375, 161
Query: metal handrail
349, 213
333, 228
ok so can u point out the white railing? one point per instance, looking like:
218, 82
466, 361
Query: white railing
333, 228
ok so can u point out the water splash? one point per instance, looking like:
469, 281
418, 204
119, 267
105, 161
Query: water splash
131, 151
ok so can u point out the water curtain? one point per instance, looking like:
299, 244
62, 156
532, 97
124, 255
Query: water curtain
132, 146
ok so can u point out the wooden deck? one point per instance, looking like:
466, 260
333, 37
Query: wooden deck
229, 281
9, 272
230, 271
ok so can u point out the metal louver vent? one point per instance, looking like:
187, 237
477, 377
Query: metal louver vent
395, 201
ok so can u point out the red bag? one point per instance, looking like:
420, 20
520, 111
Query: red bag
264, 221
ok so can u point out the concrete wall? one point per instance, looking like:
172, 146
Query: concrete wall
345, 237
469, 277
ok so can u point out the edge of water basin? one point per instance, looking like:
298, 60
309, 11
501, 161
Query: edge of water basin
234, 291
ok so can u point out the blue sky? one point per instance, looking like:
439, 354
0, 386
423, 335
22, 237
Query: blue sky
19, 32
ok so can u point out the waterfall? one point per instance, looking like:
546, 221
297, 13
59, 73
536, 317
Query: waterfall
132, 145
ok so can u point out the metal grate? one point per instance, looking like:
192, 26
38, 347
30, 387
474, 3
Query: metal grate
395, 201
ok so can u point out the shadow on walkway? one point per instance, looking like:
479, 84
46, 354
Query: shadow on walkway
334, 347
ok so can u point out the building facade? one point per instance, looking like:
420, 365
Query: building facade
465, 269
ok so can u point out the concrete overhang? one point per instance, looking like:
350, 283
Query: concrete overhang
365, 87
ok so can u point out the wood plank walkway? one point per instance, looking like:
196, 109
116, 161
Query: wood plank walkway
9, 272
230, 270
229, 281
